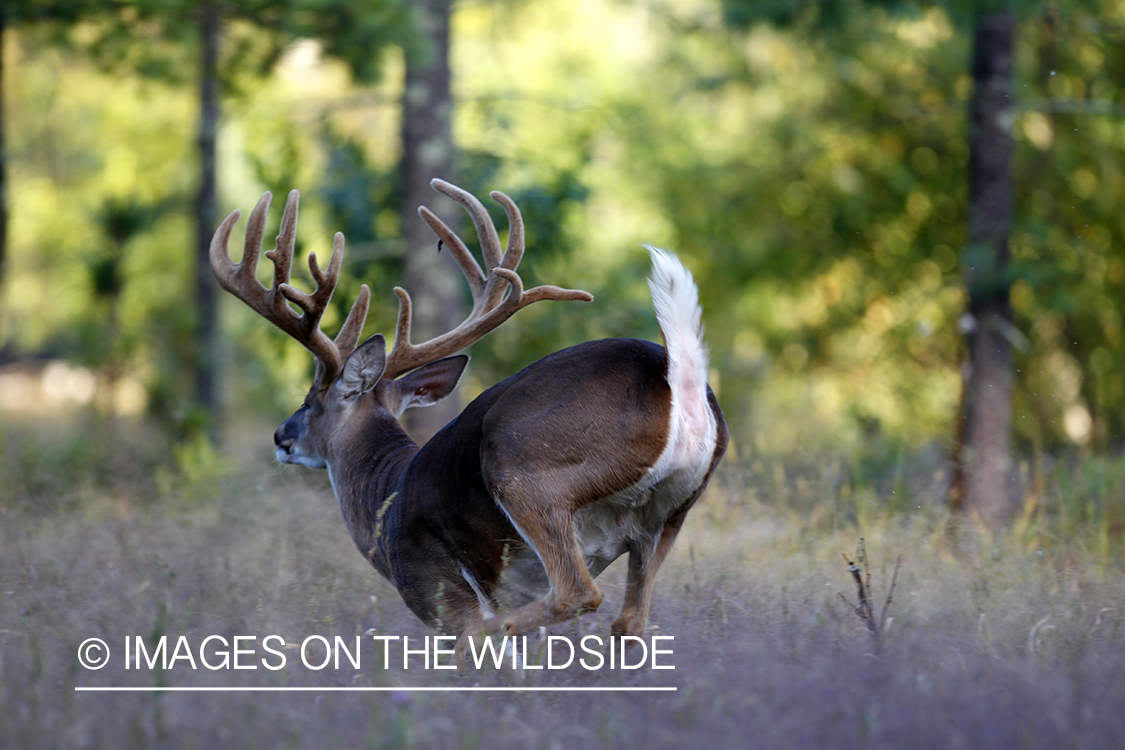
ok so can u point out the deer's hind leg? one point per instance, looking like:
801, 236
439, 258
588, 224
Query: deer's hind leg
645, 558
546, 522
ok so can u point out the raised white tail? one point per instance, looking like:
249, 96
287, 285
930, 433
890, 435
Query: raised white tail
691, 429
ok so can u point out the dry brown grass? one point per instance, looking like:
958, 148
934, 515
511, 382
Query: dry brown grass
1005, 645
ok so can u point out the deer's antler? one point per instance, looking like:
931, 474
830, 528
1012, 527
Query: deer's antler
239, 279
490, 305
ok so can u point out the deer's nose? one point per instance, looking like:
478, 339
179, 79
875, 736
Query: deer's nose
286, 435
281, 440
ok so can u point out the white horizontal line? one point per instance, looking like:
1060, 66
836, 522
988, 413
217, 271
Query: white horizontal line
151, 689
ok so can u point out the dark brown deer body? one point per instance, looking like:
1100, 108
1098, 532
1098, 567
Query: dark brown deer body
541, 482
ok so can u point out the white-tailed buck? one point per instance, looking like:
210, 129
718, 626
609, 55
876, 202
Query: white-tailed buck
541, 482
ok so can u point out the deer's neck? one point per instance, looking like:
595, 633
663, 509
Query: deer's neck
366, 477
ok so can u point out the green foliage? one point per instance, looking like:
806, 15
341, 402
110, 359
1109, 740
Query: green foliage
786, 13
807, 160
196, 474
825, 209
831, 16
838, 216
354, 31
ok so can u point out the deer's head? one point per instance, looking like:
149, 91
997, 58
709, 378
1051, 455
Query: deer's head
355, 384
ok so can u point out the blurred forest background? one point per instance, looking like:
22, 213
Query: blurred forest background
810, 161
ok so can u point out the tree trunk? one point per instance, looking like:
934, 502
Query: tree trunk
983, 449
3, 162
434, 283
205, 367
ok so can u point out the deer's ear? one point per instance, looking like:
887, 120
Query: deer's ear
364, 367
429, 384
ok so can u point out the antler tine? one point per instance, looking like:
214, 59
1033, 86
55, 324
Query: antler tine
486, 230
490, 307
405, 356
520, 299
230, 275
282, 254
349, 334
469, 267
241, 280
402, 350
315, 303
512, 255
255, 228
221, 264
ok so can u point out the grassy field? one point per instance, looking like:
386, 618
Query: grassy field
994, 643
